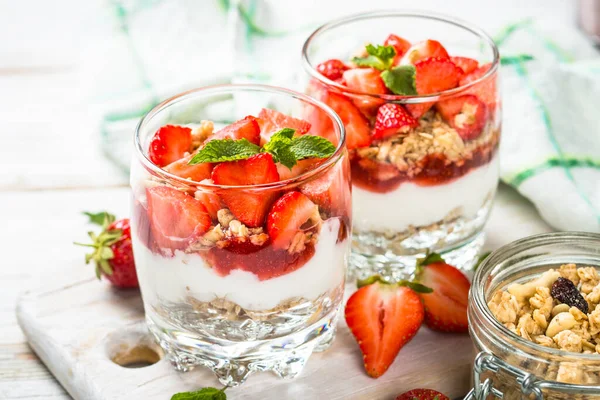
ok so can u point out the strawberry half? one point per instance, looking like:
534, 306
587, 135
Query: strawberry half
247, 206
423, 50
357, 127
365, 80
195, 172
467, 114
169, 144
433, 75
392, 119
175, 217
466, 64
446, 306
246, 128
422, 394
401, 45
383, 318
486, 90
288, 214
332, 69
271, 121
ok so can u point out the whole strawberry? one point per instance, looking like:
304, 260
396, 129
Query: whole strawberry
112, 252
422, 394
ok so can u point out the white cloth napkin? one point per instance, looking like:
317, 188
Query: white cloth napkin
550, 149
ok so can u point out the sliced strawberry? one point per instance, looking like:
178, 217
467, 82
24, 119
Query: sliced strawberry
486, 90
211, 201
169, 144
392, 119
422, 394
272, 121
466, 64
383, 318
332, 69
433, 75
446, 306
175, 217
248, 207
246, 128
401, 45
289, 213
467, 114
423, 50
365, 80
301, 167
378, 171
357, 127
331, 191
195, 172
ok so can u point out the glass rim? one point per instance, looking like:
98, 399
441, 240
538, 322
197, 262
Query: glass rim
482, 274
232, 88
411, 99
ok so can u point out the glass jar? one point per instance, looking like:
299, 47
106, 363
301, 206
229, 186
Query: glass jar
508, 366
430, 189
222, 293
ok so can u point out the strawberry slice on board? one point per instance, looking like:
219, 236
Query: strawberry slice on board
271, 121
365, 80
466, 64
467, 114
196, 172
383, 318
433, 75
288, 215
392, 119
401, 45
175, 217
446, 306
422, 394
249, 207
332, 69
169, 144
486, 91
422, 51
247, 128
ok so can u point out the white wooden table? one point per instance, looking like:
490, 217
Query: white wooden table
52, 168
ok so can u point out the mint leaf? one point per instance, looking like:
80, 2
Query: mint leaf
309, 146
279, 146
284, 133
401, 80
208, 393
380, 57
225, 150
102, 218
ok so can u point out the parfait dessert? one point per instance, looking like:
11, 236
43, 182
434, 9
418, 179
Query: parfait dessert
240, 231
422, 121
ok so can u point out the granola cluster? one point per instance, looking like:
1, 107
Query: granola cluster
433, 137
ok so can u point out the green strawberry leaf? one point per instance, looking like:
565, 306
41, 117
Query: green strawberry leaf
208, 393
225, 150
401, 80
430, 259
379, 57
368, 281
309, 146
101, 218
481, 259
417, 287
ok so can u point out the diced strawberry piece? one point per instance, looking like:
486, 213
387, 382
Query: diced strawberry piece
383, 318
249, 207
357, 127
422, 394
401, 45
175, 217
332, 69
289, 213
486, 90
423, 50
331, 191
466, 64
195, 172
365, 80
378, 171
169, 144
392, 119
246, 128
467, 114
272, 121
446, 306
211, 201
433, 75
301, 167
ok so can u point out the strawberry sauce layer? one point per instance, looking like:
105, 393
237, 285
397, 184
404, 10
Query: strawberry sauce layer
377, 177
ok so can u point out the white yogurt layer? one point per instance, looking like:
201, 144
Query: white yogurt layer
416, 205
173, 279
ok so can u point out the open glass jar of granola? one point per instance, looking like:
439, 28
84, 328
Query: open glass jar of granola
530, 341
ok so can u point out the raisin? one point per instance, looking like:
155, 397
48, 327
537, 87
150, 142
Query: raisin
565, 291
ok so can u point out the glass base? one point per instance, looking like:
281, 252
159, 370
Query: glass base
232, 362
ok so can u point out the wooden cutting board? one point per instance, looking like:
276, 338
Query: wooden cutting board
77, 326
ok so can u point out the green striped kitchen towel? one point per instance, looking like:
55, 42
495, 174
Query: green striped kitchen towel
550, 149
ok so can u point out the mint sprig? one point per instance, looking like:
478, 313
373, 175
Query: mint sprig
283, 146
401, 80
207, 393
379, 57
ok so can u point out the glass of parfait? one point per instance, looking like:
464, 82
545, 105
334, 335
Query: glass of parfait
418, 95
240, 228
